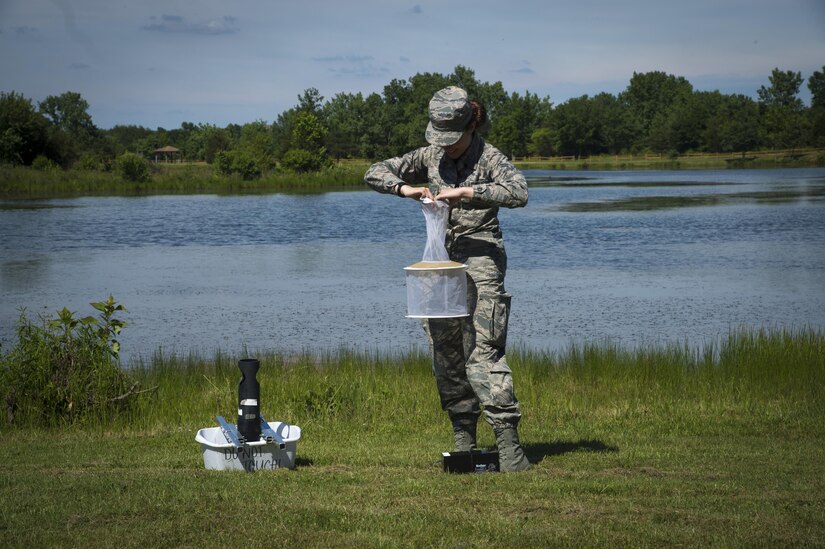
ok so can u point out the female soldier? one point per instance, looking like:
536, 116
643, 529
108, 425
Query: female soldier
476, 179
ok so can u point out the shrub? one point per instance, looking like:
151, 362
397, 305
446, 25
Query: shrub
302, 160
240, 162
44, 164
222, 163
245, 165
66, 369
132, 167
92, 162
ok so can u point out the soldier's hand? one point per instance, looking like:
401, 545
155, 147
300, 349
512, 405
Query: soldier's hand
454, 194
416, 192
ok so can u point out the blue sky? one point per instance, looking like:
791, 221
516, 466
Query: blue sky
159, 63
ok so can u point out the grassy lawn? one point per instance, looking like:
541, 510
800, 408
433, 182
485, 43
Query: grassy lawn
720, 446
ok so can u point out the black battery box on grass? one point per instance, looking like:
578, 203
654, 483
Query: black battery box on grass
476, 461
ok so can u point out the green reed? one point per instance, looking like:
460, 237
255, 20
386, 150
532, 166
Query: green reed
25, 182
717, 444
377, 390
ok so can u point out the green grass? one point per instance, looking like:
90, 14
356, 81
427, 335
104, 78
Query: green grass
687, 161
23, 182
654, 446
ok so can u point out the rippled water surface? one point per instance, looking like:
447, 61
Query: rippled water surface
635, 257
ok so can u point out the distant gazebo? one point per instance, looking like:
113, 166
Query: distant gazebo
167, 154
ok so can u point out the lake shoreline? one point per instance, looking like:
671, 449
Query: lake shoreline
17, 182
633, 257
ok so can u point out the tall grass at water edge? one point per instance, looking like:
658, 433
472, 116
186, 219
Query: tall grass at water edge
655, 446
748, 372
25, 182
666, 386
193, 178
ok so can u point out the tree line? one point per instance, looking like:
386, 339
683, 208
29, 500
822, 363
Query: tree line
657, 112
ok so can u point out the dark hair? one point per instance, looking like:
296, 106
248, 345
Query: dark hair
479, 115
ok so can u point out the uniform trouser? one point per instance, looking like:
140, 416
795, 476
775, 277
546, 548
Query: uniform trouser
469, 360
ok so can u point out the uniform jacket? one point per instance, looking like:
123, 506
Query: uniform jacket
496, 183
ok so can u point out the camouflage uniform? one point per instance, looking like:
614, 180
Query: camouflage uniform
469, 353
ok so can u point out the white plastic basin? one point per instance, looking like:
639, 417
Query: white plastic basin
219, 454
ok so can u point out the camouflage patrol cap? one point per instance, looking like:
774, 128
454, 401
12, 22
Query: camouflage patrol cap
450, 114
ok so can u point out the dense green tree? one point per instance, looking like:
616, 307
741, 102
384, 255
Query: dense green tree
72, 131
656, 111
345, 116
784, 127
576, 128
782, 92
542, 142
816, 84
465, 78
374, 142
691, 117
256, 140
282, 131
493, 96
23, 131
515, 122
311, 101
397, 95
782, 119
307, 152
69, 112
233, 133
308, 133
817, 127
734, 126
213, 141
615, 124
681, 127
585, 126
126, 138
648, 96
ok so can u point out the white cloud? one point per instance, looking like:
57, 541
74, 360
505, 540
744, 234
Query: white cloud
177, 24
254, 57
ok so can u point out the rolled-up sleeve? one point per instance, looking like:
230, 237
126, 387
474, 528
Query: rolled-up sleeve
410, 169
507, 186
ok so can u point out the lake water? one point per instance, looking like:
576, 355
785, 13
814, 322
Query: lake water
634, 257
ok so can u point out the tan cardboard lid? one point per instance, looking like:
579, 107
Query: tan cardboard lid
434, 265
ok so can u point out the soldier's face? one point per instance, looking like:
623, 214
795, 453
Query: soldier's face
458, 148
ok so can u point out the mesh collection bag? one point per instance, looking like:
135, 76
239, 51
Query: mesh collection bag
436, 286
